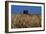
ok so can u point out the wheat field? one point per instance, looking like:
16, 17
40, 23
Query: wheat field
25, 21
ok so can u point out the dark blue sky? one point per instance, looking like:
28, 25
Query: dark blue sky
15, 9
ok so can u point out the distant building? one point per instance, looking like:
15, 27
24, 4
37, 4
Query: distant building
25, 12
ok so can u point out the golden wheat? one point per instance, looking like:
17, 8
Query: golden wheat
26, 21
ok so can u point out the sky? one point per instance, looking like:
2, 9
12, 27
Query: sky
18, 9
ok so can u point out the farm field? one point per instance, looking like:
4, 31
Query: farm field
25, 21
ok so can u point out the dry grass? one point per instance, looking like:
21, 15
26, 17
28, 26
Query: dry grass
26, 21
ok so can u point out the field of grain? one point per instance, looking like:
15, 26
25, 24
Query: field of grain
25, 21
